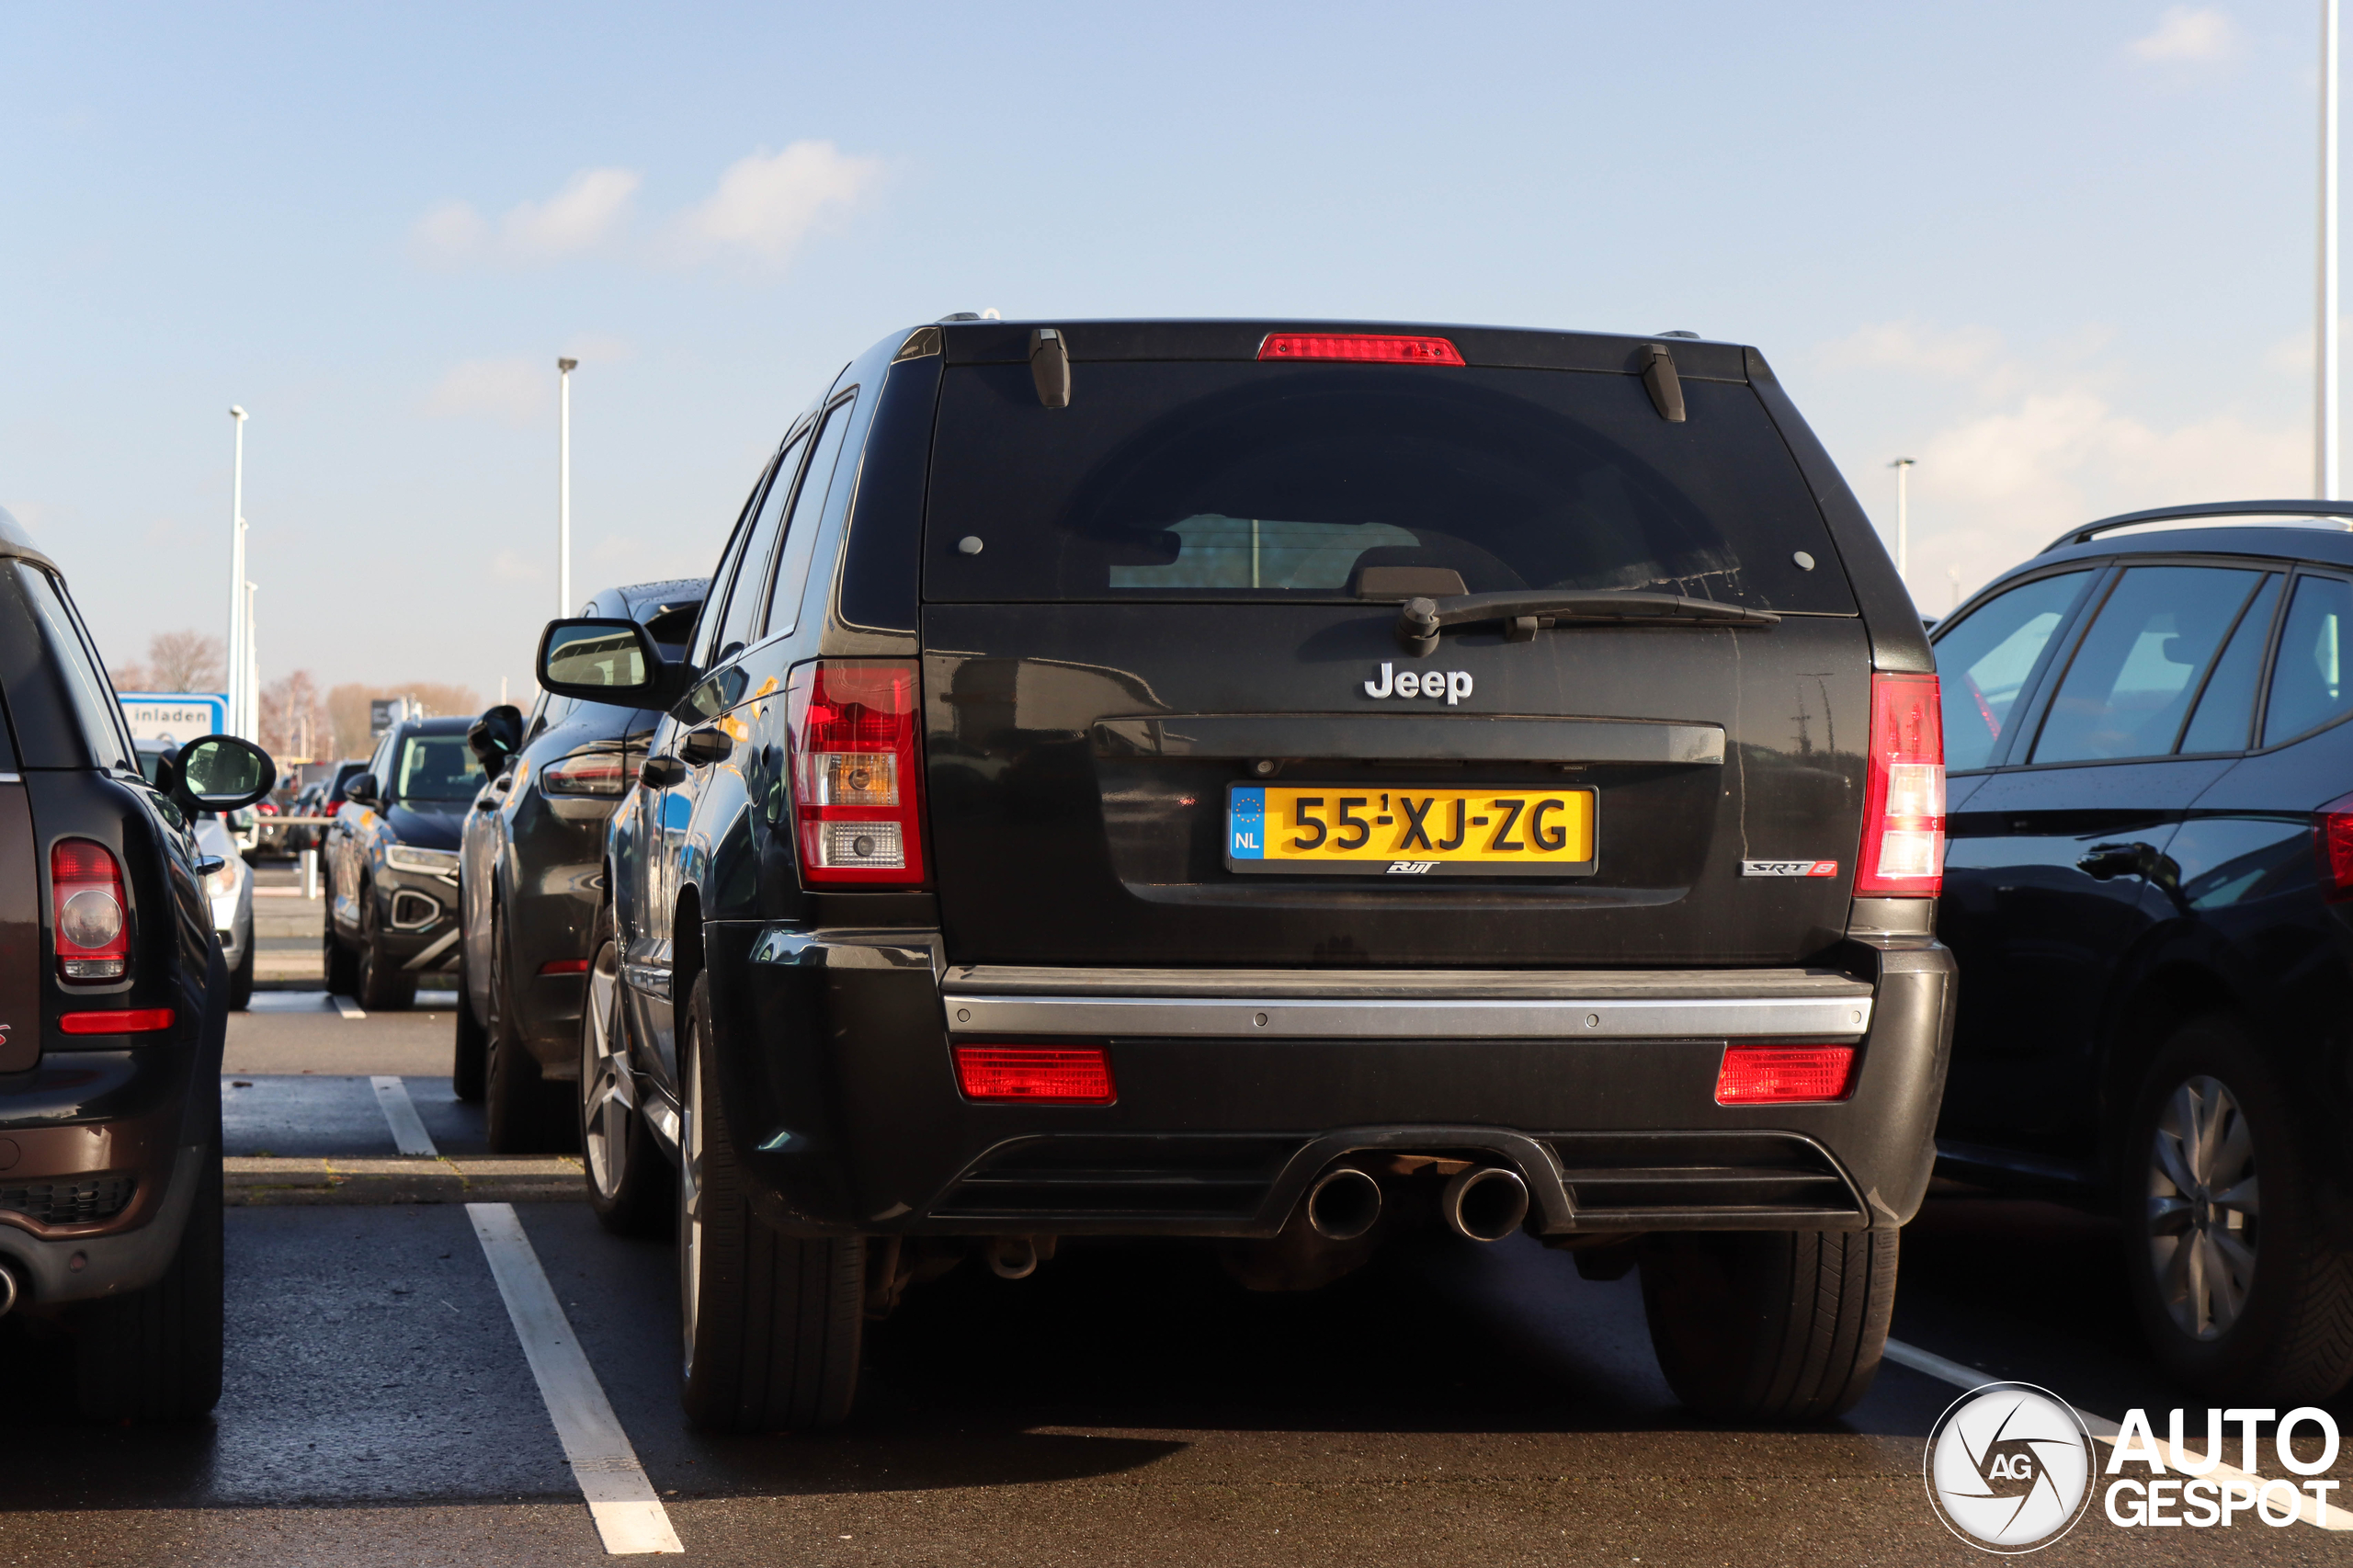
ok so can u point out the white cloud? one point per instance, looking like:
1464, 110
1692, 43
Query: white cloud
592, 206
1907, 344
2188, 32
768, 203
513, 390
509, 566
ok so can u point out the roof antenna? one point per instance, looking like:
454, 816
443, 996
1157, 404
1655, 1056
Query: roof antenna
1660, 380
1049, 366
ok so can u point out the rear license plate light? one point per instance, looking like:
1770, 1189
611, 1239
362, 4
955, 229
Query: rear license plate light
1035, 1074
1782, 1074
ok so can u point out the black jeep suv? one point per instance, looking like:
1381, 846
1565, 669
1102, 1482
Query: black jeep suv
113, 1008
1279, 785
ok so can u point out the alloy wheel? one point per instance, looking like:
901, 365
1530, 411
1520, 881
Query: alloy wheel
604, 1094
2204, 1213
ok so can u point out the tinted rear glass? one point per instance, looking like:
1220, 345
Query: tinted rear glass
1239, 482
437, 768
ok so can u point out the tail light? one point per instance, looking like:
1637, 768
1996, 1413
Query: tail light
856, 771
87, 908
1037, 1075
1361, 348
1904, 797
127, 1020
1778, 1075
2334, 830
585, 773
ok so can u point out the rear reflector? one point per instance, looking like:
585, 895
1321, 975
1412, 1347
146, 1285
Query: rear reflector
1904, 793
1358, 346
128, 1020
1775, 1074
856, 771
564, 966
86, 907
1037, 1074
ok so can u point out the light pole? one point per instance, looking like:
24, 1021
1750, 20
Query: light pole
249, 722
2324, 476
564, 368
232, 664
1902, 467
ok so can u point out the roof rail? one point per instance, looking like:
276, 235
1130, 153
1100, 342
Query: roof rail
2085, 534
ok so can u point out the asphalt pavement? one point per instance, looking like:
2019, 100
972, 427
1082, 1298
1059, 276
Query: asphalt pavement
1450, 1404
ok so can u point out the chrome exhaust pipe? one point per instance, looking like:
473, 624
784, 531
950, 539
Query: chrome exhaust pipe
1485, 1203
1013, 1258
10, 1291
1343, 1204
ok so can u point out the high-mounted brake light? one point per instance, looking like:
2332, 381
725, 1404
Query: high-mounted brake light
2333, 830
1037, 1075
856, 771
86, 907
1366, 348
1778, 1075
1904, 796
585, 773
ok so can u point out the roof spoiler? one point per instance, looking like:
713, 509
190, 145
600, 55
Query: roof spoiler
2084, 535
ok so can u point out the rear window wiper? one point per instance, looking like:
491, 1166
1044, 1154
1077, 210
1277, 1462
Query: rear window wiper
1526, 611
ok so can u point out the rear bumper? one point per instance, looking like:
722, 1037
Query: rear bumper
1237, 1087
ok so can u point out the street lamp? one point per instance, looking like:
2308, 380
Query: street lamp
1902, 467
233, 663
564, 368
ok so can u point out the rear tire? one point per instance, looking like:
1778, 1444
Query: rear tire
1769, 1325
2254, 1305
342, 964
772, 1322
155, 1355
470, 1052
382, 987
629, 1179
241, 980
524, 1114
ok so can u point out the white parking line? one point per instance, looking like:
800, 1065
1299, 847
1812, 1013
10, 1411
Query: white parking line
347, 1007
629, 1516
399, 1113
2311, 1510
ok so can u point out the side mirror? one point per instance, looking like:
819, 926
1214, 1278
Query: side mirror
363, 790
495, 736
599, 660
221, 773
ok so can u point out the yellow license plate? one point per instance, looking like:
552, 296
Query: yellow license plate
1362, 831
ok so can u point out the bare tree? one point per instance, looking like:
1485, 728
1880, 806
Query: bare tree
186, 660
346, 707
295, 726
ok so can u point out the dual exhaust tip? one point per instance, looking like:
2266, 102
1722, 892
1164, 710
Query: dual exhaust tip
1481, 1203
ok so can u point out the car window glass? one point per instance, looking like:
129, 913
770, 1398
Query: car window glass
437, 768
2226, 707
818, 490
749, 600
2136, 669
1986, 659
2308, 684
100, 716
707, 626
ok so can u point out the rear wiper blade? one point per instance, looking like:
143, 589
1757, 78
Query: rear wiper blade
1525, 611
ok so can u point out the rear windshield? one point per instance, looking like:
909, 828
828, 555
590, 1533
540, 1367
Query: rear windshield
1241, 482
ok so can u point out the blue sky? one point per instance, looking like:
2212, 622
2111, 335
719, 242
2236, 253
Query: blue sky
2059, 255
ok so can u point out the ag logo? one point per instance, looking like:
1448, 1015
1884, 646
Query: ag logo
2009, 1468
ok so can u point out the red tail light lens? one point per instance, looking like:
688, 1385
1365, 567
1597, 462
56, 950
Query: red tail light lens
1037, 1074
1904, 797
564, 966
2334, 830
87, 908
128, 1020
585, 773
1363, 347
856, 771
1778, 1075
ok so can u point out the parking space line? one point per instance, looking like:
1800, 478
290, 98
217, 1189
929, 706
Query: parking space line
347, 1007
2311, 1509
399, 1113
629, 1517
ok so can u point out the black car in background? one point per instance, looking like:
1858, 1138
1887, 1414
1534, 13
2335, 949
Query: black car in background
113, 1007
390, 863
2149, 889
1278, 786
531, 875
